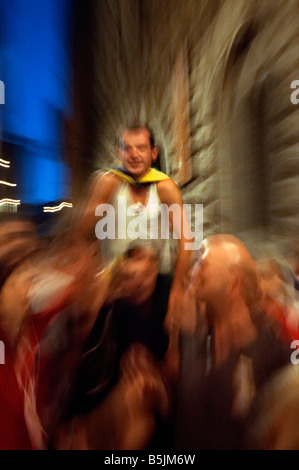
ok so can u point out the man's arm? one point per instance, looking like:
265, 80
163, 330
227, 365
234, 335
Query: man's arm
101, 191
170, 194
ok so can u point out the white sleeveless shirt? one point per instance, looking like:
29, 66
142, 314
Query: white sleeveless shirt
135, 223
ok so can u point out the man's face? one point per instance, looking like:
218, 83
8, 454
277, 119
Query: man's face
142, 268
137, 154
137, 276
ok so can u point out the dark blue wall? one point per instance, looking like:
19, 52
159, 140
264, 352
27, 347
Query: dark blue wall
35, 42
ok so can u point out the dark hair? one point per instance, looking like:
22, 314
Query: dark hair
134, 127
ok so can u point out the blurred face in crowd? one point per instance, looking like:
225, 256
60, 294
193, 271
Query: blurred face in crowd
136, 152
135, 279
225, 272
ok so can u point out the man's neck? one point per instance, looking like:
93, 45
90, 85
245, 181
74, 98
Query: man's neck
139, 194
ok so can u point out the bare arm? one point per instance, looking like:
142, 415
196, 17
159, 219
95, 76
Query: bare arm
101, 191
169, 194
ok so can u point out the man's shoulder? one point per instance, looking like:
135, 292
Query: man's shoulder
103, 186
106, 180
168, 191
166, 184
106, 176
166, 180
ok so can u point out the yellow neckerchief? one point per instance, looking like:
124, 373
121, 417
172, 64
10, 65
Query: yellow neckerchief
152, 176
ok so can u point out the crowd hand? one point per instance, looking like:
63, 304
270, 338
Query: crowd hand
173, 324
145, 387
175, 309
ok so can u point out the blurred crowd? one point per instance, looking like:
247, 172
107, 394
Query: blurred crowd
87, 357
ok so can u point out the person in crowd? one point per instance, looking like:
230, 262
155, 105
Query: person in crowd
37, 286
144, 189
223, 371
276, 426
278, 299
120, 391
18, 239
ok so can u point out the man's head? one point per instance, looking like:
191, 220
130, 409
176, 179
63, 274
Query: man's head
226, 272
134, 278
136, 149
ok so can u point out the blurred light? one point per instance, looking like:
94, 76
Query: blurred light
58, 208
10, 201
8, 184
4, 163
